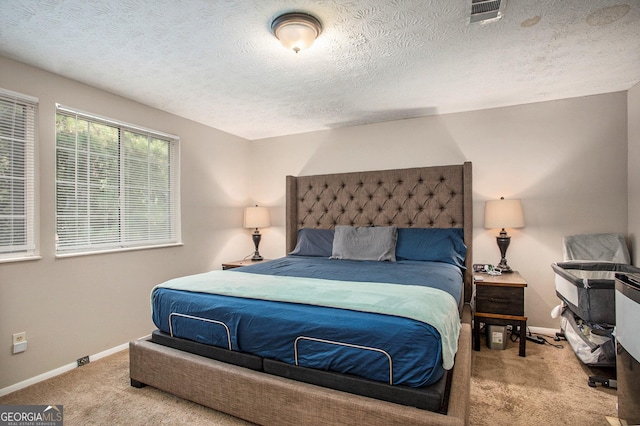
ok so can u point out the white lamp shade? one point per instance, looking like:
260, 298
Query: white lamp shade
256, 217
503, 214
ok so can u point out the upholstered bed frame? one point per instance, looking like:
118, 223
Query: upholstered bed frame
440, 197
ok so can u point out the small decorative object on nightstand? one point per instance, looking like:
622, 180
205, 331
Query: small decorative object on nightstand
239, 263
499, 300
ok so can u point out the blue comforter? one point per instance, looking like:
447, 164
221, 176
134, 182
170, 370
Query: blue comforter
438, 275
269, 328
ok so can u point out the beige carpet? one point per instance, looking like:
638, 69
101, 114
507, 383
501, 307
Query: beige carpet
548, 387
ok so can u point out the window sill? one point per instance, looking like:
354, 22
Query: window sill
19, 259
116, 250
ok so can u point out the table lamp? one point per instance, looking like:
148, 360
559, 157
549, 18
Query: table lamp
256, 217
503, 214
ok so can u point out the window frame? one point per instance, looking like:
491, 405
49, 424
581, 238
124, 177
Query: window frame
173, 238
30, 249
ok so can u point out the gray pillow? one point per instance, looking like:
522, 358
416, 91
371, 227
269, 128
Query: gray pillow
364, 243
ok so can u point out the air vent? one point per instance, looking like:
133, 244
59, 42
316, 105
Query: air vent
485, 11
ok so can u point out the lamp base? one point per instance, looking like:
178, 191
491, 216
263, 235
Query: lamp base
503, 267
503, 243
256, 241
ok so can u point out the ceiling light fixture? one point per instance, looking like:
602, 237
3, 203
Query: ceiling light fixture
296, 31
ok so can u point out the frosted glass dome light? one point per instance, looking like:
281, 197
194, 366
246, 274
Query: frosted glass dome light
296, 31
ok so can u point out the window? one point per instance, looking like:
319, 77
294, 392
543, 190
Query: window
17, 176
116, 185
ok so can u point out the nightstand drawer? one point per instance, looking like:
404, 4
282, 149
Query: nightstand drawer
500, 300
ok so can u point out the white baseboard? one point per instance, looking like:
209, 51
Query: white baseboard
63, 369
550, 332
545, 331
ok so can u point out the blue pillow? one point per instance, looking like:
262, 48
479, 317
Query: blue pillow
314, 242
432, 244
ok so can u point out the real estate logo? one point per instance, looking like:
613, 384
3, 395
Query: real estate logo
31, 415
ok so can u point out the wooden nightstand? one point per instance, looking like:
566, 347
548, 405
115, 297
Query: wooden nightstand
239, 263
499, 300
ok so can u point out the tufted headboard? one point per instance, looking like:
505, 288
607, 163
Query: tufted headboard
422, 197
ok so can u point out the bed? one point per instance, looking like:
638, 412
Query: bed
292, 385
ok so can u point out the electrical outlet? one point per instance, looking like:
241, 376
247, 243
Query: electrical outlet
19, 337
83, 361
19, 342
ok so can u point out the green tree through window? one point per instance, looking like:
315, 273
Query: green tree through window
116, 187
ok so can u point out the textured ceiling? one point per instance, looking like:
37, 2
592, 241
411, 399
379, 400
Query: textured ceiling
217, 63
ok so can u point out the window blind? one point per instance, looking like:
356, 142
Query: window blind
116, 185
18, 115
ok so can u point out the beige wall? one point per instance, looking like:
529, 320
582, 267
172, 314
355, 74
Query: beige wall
85, 305
565, 159
633, 97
